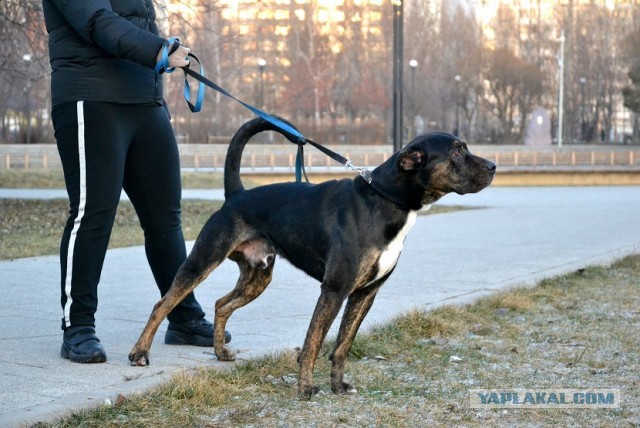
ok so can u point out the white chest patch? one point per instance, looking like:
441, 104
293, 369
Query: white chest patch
389, 257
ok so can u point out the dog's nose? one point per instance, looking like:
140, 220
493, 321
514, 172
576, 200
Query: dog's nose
491, 166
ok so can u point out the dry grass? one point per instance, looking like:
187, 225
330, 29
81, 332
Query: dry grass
31, 227
574, 331
54, 179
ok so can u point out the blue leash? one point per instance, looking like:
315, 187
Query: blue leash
292, 133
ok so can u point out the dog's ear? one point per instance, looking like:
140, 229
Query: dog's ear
412, 159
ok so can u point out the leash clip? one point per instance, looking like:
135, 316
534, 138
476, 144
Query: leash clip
364, 172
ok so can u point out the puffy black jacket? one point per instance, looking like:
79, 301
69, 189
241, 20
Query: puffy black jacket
103, 50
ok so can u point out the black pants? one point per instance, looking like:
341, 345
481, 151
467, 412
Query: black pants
105, 148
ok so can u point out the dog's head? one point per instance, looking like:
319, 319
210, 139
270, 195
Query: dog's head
435, 164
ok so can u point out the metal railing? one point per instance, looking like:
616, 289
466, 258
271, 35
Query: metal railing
212, 157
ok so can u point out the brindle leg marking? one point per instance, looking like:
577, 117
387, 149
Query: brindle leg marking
186, 281
327, 309
358, 305
252, 282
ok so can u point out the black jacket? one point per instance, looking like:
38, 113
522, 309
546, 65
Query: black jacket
103, 50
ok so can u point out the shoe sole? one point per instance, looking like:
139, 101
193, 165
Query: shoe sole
88, 359
177, 338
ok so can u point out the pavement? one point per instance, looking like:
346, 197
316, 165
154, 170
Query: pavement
517, 236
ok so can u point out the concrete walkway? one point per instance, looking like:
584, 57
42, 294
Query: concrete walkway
520, 236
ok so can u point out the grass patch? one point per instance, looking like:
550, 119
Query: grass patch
574, 331
32, 227
53, 178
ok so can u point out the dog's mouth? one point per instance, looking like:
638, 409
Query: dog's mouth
479, 181
485, 176
472, 177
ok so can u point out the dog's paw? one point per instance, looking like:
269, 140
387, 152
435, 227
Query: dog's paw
225, 354
343, 388
139, 358
307, 391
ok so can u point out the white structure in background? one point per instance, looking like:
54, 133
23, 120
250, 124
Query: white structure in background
538, 131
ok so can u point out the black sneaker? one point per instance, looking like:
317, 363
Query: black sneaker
81, 345
193, 332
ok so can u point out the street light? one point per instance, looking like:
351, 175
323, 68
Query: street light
398, 43
262, 64
583, 81
560, 87
457, 78
413, 64
27, 90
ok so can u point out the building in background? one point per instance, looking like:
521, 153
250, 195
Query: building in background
476, 67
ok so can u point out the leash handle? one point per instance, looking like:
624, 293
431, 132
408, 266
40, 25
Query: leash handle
168, 47
195, 108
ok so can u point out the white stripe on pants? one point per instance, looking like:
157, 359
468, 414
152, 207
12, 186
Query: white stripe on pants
81, 206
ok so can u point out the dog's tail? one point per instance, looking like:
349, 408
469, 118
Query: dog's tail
232, 182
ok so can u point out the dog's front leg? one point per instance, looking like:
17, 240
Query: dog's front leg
327, 309
192, 272
139, 355
358, 305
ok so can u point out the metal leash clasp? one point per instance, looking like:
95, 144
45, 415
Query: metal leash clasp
364, 172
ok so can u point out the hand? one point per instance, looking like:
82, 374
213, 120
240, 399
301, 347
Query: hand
178, 58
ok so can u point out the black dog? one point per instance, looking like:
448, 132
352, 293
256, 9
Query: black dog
347, 234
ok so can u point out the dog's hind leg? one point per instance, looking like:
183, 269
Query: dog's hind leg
358, 305
252, 282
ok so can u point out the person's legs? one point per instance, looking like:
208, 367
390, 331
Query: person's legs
152, 182
92, 156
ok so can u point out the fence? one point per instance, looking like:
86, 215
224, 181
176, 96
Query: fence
212, 157
566, 158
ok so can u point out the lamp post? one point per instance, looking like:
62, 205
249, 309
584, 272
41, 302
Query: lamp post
413, 64
27, 90
398, 43
560, 87
583, 81
457, 79
262, 64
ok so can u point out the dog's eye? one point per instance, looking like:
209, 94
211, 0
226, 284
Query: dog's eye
457, 153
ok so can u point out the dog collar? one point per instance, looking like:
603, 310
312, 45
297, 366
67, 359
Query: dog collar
388, 197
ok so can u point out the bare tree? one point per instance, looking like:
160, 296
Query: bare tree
512, 86
631, 92
23, 67
312, 71
334, 74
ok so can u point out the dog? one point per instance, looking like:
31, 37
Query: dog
347, 234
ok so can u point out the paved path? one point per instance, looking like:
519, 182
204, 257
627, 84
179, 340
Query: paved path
520, 236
